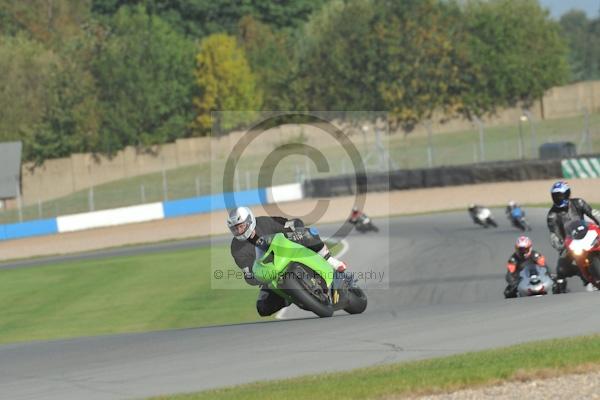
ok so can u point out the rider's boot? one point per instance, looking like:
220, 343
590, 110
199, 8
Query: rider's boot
560, 286
590, 287
510, 292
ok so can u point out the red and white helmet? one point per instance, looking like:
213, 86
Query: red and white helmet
523, 246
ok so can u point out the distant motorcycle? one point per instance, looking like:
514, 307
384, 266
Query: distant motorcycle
517, 219
364, 225
534, 281
483, 216
583, 242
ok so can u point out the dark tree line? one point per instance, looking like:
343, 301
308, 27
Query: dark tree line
99, 75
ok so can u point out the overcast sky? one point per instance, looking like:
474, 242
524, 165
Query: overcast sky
559, 7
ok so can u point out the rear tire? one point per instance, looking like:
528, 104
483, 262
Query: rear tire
294, 285
492, 222
357, 303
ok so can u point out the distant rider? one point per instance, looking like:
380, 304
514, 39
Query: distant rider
474, 211
563, 211
249, 230
512, 205
523, 252
356, 216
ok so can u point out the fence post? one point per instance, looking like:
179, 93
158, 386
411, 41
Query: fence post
143, 193
165, 185
40, 208
248, 180
19, 202
587, 131
91, 199
479, 124
198, 186
429, 144
529, 117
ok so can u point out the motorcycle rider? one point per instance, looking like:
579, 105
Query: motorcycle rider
563, 211
510, 207
248, 232
523, 252
356, 216
474, 211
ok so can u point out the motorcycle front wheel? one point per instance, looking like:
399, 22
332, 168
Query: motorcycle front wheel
307, 290
594, 270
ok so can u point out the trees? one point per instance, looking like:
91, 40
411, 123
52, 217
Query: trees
272, 59
48, 21
25, 70
144, 71
225, 83
200, 18
583, 37
424, 66
419, 56
517, 52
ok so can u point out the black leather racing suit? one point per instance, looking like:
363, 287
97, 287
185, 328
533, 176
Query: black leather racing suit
557, 219
244, 254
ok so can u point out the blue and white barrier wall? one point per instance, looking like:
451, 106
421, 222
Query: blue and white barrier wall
117, 216
151, 212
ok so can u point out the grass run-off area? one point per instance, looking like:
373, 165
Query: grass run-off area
545, 359
139, 293
122, 294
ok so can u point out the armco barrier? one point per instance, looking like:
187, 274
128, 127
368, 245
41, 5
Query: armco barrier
433, 177
283, 193
116, 216
149, 212
29, 228
204, 204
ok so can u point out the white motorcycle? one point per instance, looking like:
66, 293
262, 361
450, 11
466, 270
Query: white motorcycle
534, 281
483, 216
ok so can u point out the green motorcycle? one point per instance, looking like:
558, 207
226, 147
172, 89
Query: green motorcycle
306, 279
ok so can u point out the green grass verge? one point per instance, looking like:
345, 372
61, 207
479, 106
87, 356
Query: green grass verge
539, 359
121, 294
168, 290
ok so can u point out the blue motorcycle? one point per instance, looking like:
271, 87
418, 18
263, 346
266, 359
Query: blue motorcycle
517, 219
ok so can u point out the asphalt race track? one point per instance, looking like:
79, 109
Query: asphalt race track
444, 279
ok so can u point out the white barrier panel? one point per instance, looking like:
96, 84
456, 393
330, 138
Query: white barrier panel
117, 216
281, 193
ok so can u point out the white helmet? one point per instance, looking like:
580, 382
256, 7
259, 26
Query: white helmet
511, 203
241, 223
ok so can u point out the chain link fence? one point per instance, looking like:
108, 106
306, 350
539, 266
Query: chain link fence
379, 151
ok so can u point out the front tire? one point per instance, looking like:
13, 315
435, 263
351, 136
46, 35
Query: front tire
594, 270
305, 291
357, 303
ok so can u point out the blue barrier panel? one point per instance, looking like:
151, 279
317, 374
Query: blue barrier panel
2, 232
206, 204
29, 228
